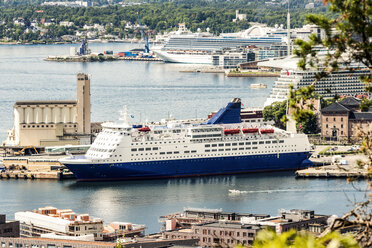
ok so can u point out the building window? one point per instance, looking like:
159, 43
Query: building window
342, 119
326, 125
334, 118
342, 125
327, 119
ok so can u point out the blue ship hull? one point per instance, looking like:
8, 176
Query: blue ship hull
189, 167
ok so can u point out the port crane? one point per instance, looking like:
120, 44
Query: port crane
145, 39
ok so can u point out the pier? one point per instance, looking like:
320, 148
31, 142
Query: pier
52, 175
332, 171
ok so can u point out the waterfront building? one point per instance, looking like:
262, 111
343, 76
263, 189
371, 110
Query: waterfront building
122, 229
63, 222
297, 219
8, 228
217, 234
50, 123
341, 82
192, 216
343, 120
233, 59
61, 243
229, 233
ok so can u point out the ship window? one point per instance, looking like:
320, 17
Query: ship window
134, 149
247, 148
186, 151
254, 143
241, 148
148, 149
155, 148
247, 143
207, 145
261, 142
267, 142
220, 144
241, 144
228, 149
214, 145
228, 144
176, 152
281, 141
169, 152
234, 149
214, 150
141, 149
274, 141
255, 147
220, 150
207, 150
195, 151
161, 153
234, 144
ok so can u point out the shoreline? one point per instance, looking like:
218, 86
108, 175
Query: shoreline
66, 42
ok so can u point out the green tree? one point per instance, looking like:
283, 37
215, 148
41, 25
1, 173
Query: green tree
276, 112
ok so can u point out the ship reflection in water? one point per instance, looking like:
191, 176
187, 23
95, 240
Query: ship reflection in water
143, 201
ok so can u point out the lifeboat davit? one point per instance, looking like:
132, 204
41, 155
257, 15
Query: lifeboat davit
232, 131
250, 130
144, 129
267, 131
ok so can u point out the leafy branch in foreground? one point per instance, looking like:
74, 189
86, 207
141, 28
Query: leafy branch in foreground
346, 44
298, 239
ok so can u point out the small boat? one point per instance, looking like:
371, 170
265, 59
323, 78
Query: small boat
144, 129
263, 131
250, 130
258, 86
232, 131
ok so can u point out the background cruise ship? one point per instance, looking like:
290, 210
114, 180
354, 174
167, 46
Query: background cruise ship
184, 46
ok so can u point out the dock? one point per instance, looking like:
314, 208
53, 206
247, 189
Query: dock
35, 167
252, 74
140, 59
52, 175
333, 171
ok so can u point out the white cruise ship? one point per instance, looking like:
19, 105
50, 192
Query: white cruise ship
222, 145
197, 48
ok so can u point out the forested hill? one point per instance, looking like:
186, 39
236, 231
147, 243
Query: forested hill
164, 16
294, 4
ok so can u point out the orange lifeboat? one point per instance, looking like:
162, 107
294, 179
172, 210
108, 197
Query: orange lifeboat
263, 131
232, 131
250, 130
144, 129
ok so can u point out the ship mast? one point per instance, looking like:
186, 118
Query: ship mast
288, 32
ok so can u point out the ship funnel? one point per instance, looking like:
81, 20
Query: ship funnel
228, 114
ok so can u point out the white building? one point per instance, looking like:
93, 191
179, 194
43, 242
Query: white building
61, 222
48, 123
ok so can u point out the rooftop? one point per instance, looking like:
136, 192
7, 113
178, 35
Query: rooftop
335, 107
45, 102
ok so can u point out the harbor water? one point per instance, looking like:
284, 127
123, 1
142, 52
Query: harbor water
152, 91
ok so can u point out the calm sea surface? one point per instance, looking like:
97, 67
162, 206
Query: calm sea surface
151, 91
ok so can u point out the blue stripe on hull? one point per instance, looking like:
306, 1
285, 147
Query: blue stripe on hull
188, 167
